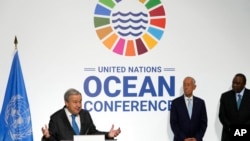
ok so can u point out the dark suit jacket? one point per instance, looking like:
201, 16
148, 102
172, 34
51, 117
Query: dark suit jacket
184, 127
229, 115
61, 129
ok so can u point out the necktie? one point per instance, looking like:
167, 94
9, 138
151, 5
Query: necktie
239, 101
74, 125
190, 107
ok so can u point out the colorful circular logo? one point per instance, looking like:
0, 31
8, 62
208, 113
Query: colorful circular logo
129, 28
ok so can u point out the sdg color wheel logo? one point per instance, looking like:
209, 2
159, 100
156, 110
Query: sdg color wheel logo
129, 27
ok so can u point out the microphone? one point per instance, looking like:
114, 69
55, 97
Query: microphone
86, 132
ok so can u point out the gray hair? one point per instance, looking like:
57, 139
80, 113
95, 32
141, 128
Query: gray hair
194, 82
70, 92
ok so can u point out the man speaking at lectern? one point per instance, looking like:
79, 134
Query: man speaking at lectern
73, 120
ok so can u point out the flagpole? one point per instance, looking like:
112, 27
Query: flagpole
15, 125
15, 42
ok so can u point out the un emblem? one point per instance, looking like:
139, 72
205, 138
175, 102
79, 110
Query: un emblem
17, 118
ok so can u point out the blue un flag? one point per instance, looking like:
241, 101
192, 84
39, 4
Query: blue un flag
15, 119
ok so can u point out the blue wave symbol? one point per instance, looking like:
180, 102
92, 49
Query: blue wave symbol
130, 24
130, 13
128, 27
130, 33
129, 20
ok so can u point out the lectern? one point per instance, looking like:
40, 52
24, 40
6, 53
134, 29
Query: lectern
91, 138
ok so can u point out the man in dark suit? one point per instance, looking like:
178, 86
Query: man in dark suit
188, 125
231, 114
73, 120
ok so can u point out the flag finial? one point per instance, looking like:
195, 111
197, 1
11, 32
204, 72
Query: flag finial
15, 42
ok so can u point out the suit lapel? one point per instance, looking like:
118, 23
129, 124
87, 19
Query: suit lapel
245, 98
195, 106
84, 128
233, 99
66, 121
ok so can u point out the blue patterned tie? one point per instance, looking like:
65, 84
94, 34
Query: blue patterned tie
239, 101
74, 125
190, 107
